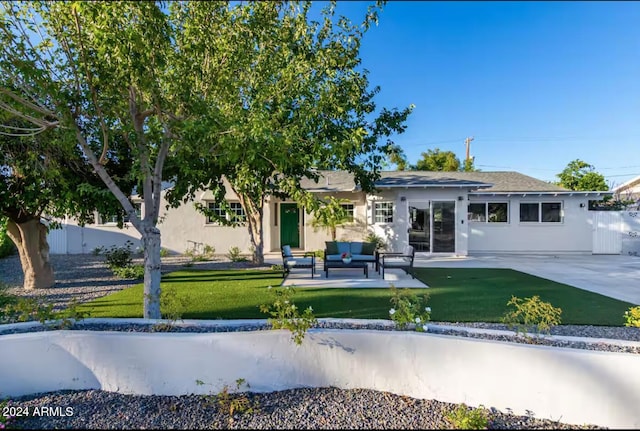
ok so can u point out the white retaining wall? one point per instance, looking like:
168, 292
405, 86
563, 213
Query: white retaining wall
571, 385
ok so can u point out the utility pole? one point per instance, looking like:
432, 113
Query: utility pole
467, 143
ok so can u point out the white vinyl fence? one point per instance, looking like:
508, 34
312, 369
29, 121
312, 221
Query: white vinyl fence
616, 232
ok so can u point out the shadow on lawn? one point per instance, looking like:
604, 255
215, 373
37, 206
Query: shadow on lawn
219, 275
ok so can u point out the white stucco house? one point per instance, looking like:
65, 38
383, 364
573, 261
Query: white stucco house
449, 213
629, 190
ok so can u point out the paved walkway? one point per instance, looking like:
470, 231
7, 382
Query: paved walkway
351, 278
614, 276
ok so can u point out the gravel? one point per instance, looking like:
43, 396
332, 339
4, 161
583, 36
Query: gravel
86, 277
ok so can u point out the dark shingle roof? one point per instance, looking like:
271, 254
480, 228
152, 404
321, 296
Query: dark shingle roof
482, 181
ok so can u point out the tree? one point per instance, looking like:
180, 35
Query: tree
579, 175
293, 99
105, 71
42, 176
436, 160
331, 215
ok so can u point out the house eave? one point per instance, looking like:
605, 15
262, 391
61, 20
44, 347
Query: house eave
541, 193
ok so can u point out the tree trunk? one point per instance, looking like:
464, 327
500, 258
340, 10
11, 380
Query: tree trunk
254, 219
152, 273
30, 237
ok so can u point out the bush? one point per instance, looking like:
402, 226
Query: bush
408, 309
235, 256
119, 257
285, 315
632, 317
531, 314
381, 244
464, 419
131, 271
7, 248
164, 252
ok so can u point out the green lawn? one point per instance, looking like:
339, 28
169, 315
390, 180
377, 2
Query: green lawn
455, 295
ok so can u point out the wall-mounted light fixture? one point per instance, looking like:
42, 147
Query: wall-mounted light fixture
460, 198
581, 204
403, 198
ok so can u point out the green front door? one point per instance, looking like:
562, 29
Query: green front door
289, 230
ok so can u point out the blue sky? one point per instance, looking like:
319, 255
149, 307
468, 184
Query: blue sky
537, 84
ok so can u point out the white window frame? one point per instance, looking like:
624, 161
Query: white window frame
235, 207
389, 206
350, 208
540, 213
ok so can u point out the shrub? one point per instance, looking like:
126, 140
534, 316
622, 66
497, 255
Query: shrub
131, 271
381, 244
409, 309
164, 252
319, 254
171, 304
30, 309
119, 257
7, 248
235, 256
285, 314
632, 317
96, 251
235, 403
468, 419
531, 314
277, 267
209, 250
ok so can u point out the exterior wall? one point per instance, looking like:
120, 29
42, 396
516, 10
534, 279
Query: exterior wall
397, 232
84, 239
572, 235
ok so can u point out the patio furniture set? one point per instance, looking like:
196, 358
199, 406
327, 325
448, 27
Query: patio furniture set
345, 255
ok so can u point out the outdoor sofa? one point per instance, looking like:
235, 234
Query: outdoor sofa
360, 252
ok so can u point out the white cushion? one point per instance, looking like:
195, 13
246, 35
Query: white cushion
286, 249
300, 261
408, 250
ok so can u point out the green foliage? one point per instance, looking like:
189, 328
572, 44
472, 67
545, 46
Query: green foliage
119, 257
465, 418
381, 244
579, 175
277, 267
38, 309
131, 271
7, 248
409, 309
331, 215
632, 317
234, 255
319, 254
436, 160
4, 420
237, 403
286, 315
96, 251
164, 252
531, 314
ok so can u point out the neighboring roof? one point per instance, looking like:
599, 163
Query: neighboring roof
632, 182
481, 181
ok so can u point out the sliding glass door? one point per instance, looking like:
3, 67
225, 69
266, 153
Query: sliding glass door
432, 226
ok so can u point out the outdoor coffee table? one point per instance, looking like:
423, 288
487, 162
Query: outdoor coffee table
341, 264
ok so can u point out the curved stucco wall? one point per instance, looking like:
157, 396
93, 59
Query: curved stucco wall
571, 385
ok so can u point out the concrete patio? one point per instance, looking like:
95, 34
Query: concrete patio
351, 278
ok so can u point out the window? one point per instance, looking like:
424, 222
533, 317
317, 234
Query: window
477, 212
491, 212
217, 210
237, 212
545, 212
383, 212
349, 209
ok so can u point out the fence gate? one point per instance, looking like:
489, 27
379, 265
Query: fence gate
57, 239
607, 229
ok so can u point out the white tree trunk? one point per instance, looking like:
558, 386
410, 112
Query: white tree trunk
152, 272
30, 238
